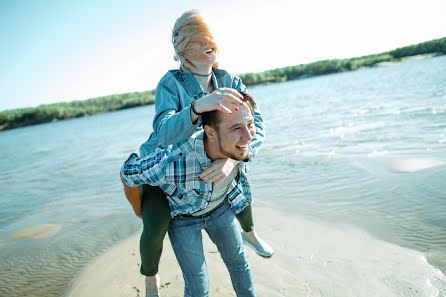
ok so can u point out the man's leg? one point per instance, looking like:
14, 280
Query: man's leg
187, 243
222, 229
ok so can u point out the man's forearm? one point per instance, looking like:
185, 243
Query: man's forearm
134, 197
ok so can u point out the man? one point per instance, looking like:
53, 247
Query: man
196, 205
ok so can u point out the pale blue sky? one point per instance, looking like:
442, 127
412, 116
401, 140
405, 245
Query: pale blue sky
54, 51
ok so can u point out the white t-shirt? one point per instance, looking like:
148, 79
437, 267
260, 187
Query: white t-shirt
219, 192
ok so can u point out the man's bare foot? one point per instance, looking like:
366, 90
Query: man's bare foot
253, 240
152, 286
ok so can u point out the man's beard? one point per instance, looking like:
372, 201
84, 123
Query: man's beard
232, 155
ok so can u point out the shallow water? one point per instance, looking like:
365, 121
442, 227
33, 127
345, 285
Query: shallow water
364, 149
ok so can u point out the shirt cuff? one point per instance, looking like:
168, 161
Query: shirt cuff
127, 180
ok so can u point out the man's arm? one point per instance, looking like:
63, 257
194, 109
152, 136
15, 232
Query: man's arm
148, 170
136, 171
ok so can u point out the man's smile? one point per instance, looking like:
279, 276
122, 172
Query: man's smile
242, 148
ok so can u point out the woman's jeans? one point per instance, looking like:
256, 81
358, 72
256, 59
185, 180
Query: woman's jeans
156, 216
186, 239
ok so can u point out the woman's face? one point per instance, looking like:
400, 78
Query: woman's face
201, 53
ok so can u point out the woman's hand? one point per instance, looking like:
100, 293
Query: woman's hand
218, 170
224, 99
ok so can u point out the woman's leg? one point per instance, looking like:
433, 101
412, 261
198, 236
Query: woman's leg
155, 216
246, 219
250, 236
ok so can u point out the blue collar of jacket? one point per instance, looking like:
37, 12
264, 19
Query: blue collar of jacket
194, 86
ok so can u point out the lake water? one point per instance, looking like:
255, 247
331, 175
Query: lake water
365, 148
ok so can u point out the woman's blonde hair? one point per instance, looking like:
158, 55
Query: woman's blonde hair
191, 27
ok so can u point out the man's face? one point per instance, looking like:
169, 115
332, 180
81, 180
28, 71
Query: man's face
235, 132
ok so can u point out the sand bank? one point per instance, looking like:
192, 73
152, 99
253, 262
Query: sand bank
311, 259
413, 165
408, 59
37, 232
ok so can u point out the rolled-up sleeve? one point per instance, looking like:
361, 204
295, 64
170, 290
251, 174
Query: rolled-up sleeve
149, 170
259, 137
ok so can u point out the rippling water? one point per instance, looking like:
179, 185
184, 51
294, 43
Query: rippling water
351, 148
364, 148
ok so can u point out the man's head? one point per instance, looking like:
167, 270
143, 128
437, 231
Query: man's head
229, 135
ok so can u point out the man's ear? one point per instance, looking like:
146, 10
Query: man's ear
210, 132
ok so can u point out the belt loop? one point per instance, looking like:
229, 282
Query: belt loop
206, 220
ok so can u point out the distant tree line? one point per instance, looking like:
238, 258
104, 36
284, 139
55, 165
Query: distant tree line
340, 65
15, 118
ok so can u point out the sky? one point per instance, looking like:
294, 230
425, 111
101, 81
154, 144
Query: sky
53, 51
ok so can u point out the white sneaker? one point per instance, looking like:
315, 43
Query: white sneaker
261, 248
149, 289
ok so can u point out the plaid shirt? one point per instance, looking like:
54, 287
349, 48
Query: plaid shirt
175, 169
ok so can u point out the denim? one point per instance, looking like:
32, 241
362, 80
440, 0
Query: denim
174, 94
186, 239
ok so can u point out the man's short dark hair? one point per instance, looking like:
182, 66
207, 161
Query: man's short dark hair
212, 118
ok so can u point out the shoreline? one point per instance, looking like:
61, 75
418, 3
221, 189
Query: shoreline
28, 116
310, 259
408, 59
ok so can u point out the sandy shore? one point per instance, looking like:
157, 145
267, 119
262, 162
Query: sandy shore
407, 59
311, 259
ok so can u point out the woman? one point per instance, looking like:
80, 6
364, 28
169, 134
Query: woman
181, 96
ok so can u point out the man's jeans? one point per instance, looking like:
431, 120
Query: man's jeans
186, 239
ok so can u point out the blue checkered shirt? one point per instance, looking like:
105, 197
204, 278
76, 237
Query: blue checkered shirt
175, 169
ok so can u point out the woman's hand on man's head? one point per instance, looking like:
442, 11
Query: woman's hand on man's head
224, 99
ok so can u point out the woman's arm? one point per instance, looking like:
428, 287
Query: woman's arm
174, 123
259, 137
170, 124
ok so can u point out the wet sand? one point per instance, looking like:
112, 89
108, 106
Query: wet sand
38, 232
311, 259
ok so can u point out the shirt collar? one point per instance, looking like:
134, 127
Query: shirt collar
199, 149
194, 86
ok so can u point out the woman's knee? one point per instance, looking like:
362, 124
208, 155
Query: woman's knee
155, 229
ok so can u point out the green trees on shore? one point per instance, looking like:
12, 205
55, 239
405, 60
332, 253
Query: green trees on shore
15, 118
340, 65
